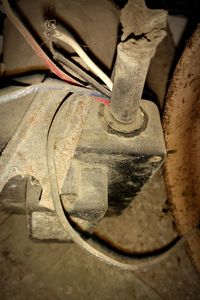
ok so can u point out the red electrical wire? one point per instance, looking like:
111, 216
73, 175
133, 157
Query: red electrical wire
33, 43
102, 100
38, 50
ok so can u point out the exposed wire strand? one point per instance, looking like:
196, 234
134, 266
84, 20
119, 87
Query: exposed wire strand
11, 14
62, 35
16, 21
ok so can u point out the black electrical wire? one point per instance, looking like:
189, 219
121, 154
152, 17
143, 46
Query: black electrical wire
69, 64
61, 35
19, 24
79, 239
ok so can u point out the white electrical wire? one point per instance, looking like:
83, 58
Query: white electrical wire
64, 36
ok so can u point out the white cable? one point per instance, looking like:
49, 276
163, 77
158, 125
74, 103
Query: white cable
66, 37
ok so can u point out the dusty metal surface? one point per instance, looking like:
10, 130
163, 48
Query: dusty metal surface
84, 193
31, 135
29, 159
144, 226
182, 135
133, 59
134, 54
11, 113
138, 20
45, 226
130, 161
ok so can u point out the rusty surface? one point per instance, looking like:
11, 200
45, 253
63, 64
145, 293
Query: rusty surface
182, 135
25, 153
134, 54
138, 20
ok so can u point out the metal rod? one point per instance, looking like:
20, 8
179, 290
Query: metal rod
132, 63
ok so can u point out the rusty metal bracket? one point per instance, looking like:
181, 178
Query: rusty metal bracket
25, 154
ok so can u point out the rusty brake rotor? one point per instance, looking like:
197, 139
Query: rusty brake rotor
182, 134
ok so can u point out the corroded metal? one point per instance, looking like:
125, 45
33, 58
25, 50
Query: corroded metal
182, 135
25, 154
130, 160
143, 29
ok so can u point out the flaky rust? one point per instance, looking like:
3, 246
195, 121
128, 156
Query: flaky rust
182, 134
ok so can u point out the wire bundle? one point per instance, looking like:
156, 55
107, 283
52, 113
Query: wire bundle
52, 33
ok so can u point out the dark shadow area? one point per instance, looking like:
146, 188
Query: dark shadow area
51, 14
